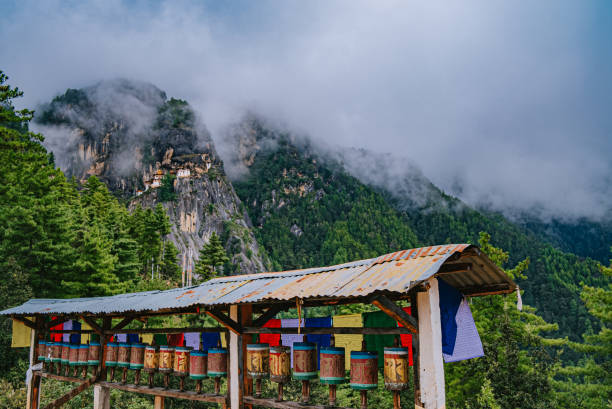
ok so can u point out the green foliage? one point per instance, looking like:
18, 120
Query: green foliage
212, 255
166, 190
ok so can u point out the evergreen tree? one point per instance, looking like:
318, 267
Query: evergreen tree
169, 266
212, 255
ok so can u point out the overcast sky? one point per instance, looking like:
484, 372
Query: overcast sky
507, 104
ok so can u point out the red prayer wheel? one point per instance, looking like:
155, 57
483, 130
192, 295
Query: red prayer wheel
332, 366
110, 355
137, 356
280, 364
364, 370
396, 369
304, 360
56, 352
94, 354
123, 355
181, 361
197, 364
42, 350
65, 353
151, 359
73, 356
166, 359
217, 362
258, 360
83, 355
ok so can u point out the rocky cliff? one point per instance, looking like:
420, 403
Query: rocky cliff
149, 149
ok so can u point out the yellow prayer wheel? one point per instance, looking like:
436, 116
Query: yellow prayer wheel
151, 359
181, 361
396, 369
280, 364
166, 359
258, 360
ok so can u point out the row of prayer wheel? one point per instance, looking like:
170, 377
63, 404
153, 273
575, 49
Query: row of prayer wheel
263, 361
178, 361
58, 355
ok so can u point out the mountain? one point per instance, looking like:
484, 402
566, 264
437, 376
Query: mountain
312, 207
150, 149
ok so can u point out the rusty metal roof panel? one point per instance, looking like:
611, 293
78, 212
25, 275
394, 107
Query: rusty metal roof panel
394, 272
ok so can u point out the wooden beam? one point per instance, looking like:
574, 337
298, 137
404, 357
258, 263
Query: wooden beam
391, 309
168, 393
165, 330
60, 377
33, 388
57, 321
225, 321
271, 403
451, 268
328, 330
487, 290
414, 310
246, 318
123, 323
236, 368
94, 325
57, 403
266, 316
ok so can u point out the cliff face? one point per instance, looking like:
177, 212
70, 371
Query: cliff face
151, 150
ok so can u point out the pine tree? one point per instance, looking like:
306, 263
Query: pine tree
169, 266
212, 255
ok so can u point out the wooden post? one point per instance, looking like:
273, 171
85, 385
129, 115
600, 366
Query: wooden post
415, 353
101, 397
236, 369
430, 348
159, 402
246, 318
33, 390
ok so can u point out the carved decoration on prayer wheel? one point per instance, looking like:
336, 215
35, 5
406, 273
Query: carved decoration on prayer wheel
332, 366
280, 364
364, 370
396, 368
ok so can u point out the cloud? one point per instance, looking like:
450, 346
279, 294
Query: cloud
505, 104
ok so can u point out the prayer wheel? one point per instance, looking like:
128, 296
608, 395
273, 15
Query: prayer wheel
56, 355
258, 364
151, 362
65, 354
137, 360
305, 365
280, 367
110, 357
197, 367
217, 365
93, 359
73, 358
396, 372
181, 364
364, 373
396, 369
83, 358
166, 361
42, 350
123, 359
332, 370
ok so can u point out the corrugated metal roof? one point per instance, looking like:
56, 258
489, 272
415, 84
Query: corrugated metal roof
395, 273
